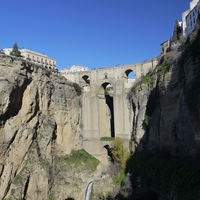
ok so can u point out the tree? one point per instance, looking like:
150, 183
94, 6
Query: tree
15, 51
120, 153
177, 32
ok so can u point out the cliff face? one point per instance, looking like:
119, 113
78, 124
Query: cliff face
166, 104
39, 123
166, 126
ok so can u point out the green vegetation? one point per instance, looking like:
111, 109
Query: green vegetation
79, 160
163, 68
51, 196
77, 88
107, 139
177, 32
147, 119
18, 180
119, 177
120, 153
148, 79
15, 51
12, 191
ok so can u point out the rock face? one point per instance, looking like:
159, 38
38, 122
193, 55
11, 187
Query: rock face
166, 108
166, 126
39, 121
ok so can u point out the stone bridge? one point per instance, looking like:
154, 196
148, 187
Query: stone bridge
106, 111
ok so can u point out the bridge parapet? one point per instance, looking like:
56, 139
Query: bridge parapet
114, 73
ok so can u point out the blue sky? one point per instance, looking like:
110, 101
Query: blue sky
93, 33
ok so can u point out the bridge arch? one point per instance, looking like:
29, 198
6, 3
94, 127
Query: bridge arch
106, 110
85, 80
129, 75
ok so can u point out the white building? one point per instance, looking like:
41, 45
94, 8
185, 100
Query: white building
35, 57
78, 68
189, 17
74, 69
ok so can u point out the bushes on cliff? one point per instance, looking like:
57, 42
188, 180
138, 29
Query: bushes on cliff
120, 153
77, 88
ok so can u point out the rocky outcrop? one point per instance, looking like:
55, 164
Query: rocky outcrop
166, 127
39, 121
166, 107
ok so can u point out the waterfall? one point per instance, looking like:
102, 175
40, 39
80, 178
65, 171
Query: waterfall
89, 191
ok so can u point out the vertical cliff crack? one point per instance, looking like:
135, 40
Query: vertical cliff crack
26, 188
12, 140
52, 166
2, 169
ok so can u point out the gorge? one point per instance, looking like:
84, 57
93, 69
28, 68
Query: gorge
42, 155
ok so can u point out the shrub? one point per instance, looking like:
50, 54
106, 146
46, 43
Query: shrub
120, 153
146, 120
77, 89
164, 68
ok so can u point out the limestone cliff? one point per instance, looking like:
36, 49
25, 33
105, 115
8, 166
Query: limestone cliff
39, 123
166, 127
166, 105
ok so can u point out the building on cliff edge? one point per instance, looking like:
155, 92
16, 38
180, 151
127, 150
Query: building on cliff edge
188, 24
35, 57
190, 17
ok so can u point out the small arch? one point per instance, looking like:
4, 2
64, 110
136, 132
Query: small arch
85, 80
129, 75
105, 75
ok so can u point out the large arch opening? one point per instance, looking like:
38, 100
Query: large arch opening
129, 75
106, 110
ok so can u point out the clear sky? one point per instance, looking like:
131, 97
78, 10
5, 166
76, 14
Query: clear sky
92, 33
